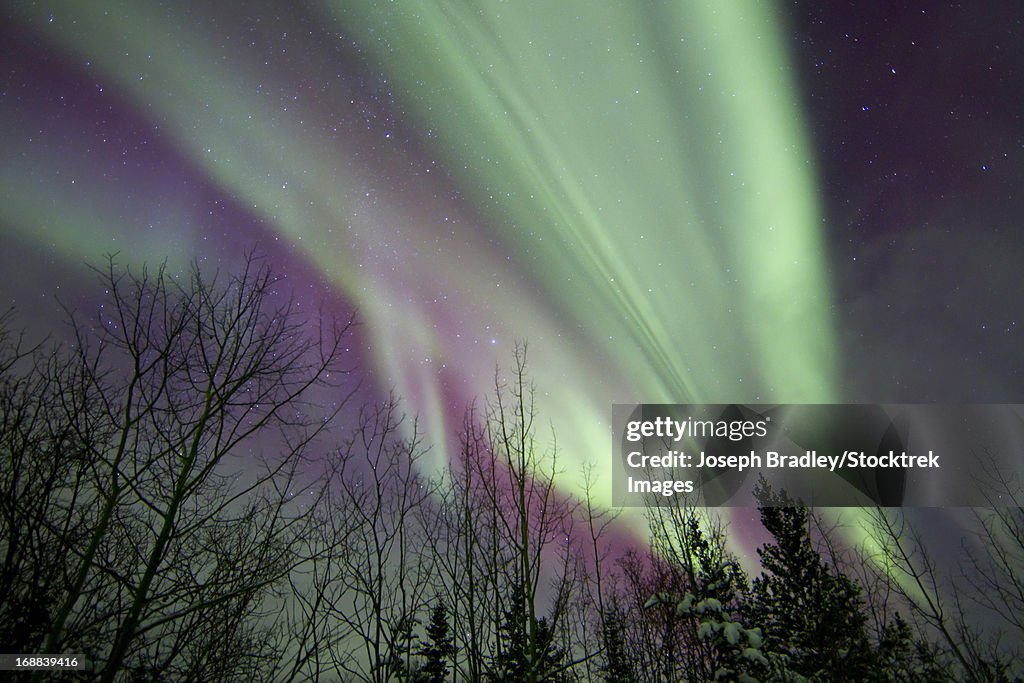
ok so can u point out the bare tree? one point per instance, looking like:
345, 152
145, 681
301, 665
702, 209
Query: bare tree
941, 610
465, 546
504, 543
534, 522
370, 593
600, 612
652, 639
32, 445
997, 556
168, 452
529, 518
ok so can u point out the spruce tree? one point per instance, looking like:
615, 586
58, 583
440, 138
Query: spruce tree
438, 649
616, 667
812, 615
515, 662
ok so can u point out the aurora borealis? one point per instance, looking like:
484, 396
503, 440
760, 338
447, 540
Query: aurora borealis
681, 202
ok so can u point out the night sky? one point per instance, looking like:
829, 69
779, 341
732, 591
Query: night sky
670, 202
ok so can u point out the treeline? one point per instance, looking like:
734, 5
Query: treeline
188, 492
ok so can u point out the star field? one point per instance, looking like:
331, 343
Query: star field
675, 203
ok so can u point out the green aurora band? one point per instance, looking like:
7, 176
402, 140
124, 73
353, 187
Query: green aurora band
636, 195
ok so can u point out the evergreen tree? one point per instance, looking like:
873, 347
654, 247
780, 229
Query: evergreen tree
400, 654
812, 614
705, 603
905, 658
438, 649
616, 667
515, 662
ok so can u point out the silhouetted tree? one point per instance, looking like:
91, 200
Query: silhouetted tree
165, 509
501, 531
146, 527
949, 643
526, 656
811, 614
617, 667
369, 594
531, 517
438, 650
35, 446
